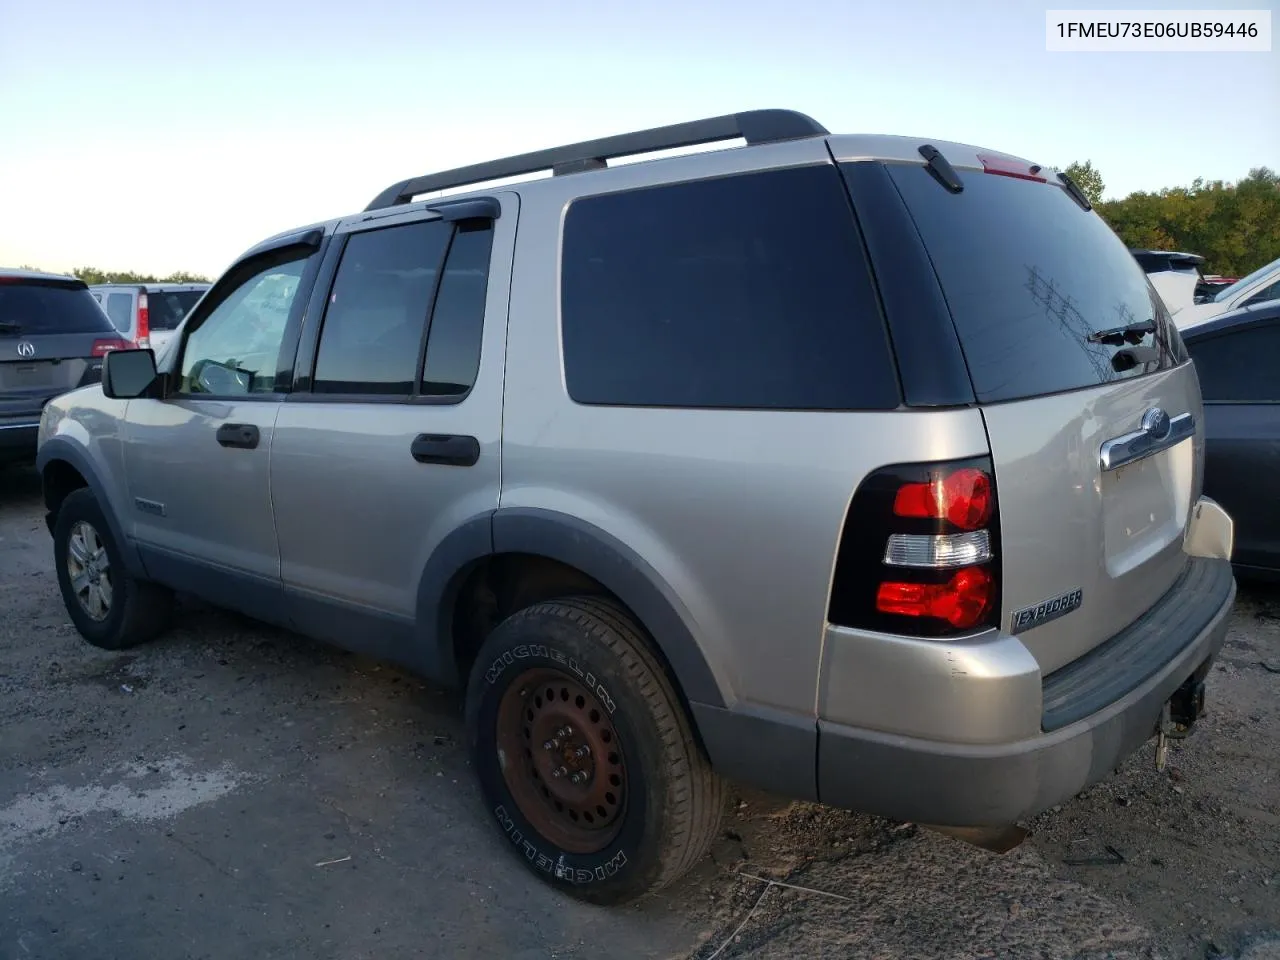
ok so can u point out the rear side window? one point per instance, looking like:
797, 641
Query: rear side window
749, 291
1239, 366
30, 308
120, 310
1028, 277
167, 308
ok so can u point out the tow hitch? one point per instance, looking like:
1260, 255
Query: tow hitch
1180, 713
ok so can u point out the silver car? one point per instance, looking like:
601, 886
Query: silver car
863, 469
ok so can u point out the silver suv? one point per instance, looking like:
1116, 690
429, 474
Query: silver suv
862, 469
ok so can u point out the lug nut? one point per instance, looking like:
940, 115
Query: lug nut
578, 777
582, 751
550, 744
565, 731
559, 772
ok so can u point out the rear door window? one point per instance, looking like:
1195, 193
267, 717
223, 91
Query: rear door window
30, 308
1239, 366
746, 291
167, 308
1029, 276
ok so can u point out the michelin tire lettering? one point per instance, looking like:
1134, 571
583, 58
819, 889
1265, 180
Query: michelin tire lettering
524, 651
557, 867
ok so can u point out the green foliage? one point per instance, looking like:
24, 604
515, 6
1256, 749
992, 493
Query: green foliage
92, 275
1088, 179
1234, 226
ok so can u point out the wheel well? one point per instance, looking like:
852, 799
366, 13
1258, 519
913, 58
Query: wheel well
503, 583
59, 480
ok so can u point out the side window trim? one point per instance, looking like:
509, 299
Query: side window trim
311, 247
307, 354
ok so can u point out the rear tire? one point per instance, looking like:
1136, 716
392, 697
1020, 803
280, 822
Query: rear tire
641, 805
111, 608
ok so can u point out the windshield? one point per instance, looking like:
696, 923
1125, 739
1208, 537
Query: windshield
1227, 292
30, 307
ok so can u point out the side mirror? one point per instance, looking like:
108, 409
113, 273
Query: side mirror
127, 374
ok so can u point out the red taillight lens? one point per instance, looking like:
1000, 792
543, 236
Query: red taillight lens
963, 498
102, 347
1009, 167
963, 601
143, 335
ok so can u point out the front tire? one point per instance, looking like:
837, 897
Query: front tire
585, 754
111, 608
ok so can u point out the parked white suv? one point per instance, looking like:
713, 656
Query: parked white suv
148, 313
1258, 287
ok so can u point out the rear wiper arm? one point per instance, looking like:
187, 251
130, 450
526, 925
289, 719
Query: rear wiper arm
1117, 336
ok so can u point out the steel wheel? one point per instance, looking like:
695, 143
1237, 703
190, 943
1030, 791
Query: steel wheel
89, 569
562, 760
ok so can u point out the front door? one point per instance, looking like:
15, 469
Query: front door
392, 436
197, 461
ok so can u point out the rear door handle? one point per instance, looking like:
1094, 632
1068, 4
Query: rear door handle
1158, 432
242, 435
449, 449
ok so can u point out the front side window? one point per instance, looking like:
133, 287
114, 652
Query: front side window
236, 349
1270, 292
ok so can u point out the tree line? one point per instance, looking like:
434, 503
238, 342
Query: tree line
92, 275
1234, 226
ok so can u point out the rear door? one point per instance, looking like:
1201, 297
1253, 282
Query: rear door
52, 340
1094, 437
1239, 371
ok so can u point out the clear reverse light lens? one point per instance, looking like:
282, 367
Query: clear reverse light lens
941, 552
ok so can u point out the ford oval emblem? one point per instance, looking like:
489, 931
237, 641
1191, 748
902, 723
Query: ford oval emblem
1156, 423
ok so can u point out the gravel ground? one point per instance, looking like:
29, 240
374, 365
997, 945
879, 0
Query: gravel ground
236, 791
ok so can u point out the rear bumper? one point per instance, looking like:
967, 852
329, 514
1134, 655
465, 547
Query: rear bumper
1073, 727
18, 438
1093, 719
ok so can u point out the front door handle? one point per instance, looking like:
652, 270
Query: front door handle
242, 435
449, 449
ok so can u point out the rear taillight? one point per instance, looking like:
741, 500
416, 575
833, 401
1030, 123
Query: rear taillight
102, 347
919, 552
142, 337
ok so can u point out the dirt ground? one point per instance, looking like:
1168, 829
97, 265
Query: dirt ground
236, 791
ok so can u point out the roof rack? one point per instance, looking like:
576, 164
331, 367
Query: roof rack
754, 126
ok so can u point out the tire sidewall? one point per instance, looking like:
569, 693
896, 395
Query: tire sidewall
81, 506
539, 638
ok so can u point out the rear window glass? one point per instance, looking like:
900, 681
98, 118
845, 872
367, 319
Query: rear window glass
167, 308
1029, 276
29, 309
749, 291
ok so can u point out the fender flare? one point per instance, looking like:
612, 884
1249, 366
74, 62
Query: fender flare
576, 543
60, 448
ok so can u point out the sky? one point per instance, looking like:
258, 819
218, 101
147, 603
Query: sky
153, 136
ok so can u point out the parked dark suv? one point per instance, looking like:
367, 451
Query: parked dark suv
53, 337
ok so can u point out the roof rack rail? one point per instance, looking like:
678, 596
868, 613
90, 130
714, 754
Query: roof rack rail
754, 126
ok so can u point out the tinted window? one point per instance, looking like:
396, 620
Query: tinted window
1028, 276
167, 308
372, 334
120, 310
748, 291
30, 308
1239, 366
235, 349
457, 321
1266, 294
